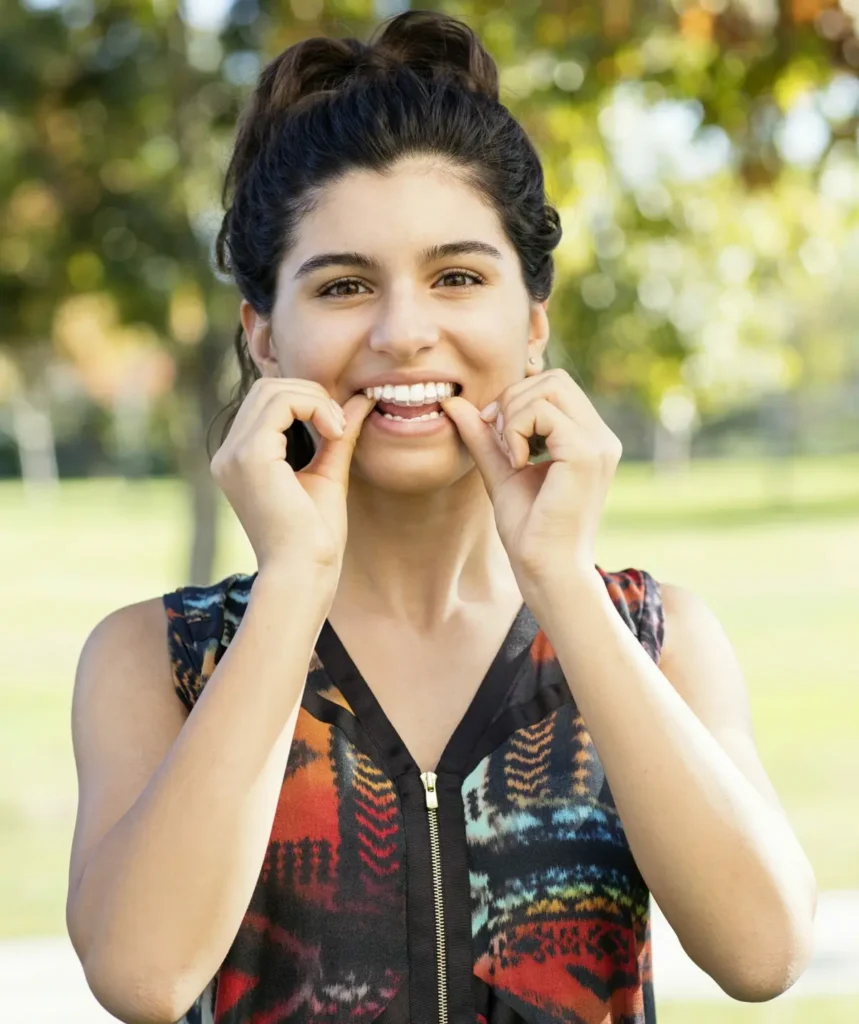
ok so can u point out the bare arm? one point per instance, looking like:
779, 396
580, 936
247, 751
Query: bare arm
174, 814
703, 821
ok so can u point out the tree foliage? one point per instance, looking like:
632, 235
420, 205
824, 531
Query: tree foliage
702, 155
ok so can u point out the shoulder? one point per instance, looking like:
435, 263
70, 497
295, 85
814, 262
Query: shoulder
699, 658
128, 630
123, 673
701, 664
690, 624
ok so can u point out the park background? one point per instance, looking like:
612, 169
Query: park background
703, 157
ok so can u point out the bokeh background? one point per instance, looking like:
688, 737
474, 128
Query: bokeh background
703, 156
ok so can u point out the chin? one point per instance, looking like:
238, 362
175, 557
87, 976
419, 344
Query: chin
413, 476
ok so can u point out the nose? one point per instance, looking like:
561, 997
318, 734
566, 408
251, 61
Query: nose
404, 327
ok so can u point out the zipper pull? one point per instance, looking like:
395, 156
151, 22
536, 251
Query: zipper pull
428, 779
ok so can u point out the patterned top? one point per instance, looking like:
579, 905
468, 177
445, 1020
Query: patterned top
515, 901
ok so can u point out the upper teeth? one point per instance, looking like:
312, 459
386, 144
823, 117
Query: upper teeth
414, 394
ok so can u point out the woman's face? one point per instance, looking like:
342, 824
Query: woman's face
466, 315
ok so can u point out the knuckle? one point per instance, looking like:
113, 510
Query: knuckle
613, 448
243, 457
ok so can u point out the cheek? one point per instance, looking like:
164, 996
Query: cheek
310, 357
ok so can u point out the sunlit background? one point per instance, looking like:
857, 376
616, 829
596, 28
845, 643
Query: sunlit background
703, 157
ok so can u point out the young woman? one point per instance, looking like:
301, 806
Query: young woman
429, 769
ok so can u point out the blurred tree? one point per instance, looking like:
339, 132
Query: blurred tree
676, 283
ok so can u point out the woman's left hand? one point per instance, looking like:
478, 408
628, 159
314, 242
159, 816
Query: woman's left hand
548, 513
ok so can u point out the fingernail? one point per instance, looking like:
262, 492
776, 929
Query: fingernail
489, 411
499, 423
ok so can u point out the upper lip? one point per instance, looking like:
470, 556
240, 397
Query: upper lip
415, 377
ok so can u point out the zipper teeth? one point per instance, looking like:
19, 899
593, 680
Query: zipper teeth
439, 917
429, 779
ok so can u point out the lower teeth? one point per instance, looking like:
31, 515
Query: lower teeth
434, 415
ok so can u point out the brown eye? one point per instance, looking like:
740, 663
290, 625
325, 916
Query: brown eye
329, 289
475, 278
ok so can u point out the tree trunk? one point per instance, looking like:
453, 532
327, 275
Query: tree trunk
131, 424
34, 436
199, 403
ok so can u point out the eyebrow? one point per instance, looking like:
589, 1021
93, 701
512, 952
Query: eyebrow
431, 254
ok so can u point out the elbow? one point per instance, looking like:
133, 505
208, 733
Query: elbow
121, 984
135, 997
129, 995
759, 983
774, 966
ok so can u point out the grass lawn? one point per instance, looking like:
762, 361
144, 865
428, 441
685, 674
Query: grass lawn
832, 1010
774, 550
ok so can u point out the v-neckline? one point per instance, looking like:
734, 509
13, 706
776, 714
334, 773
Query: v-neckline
503, 672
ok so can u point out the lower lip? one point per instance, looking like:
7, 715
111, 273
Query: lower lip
410, 428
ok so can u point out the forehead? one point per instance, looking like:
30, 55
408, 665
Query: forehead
417, 202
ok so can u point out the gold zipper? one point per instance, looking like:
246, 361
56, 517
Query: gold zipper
429, 780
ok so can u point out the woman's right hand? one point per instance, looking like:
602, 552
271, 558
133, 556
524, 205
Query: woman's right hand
290, 516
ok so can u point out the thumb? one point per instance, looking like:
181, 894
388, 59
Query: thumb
481, 439
334, 456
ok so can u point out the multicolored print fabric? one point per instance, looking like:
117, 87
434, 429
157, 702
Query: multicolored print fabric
557, 926
560, 912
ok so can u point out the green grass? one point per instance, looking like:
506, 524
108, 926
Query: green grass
773, 548
823, 1010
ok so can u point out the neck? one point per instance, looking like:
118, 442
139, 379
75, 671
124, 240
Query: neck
419, 559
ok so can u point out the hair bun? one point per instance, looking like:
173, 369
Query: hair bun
436, 47
433, 45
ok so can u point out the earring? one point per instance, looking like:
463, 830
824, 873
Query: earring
532, 360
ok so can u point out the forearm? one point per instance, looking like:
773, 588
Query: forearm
163, 895
720, 861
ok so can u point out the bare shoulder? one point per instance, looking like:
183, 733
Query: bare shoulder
699, 659
125, 717
132, 623
701, 663
126, 657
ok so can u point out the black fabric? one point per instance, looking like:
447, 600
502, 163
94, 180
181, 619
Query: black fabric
456, 760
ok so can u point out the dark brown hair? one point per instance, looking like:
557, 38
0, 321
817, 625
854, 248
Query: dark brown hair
326, 106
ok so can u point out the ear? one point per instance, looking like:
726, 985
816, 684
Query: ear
538, 336
260, 346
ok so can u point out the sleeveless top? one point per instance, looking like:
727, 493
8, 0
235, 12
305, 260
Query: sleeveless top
499, 889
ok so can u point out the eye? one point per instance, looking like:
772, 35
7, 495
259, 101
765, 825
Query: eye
475, 278
328, 290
